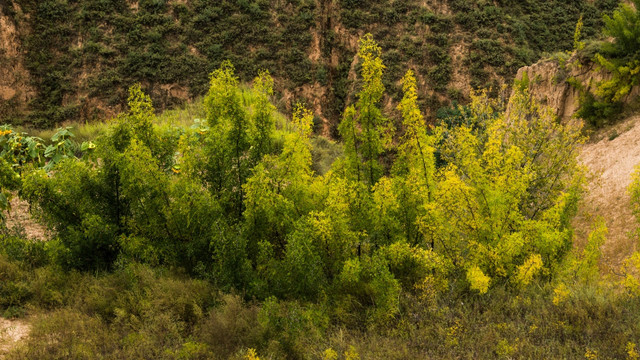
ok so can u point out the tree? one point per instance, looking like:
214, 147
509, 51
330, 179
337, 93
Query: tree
278, 192
507, 192
228, 142
263, 121
624, 27
364, 129
414, 167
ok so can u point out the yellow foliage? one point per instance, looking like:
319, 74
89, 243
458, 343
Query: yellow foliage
528, 270
251, 355
428, 290
330, 354
351, 354
452, 334
632, 268
591, 354
478, 280
632, 285
632, 352
504, 349
560, 294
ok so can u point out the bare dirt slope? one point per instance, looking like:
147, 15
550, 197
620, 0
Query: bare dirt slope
611, 158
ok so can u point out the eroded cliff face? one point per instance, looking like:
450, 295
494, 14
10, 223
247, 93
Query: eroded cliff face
15, 88
74, 60
548, 83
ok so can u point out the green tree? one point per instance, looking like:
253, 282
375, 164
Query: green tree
279, 191
624, 27
414, 167
228, 142
367, 286
364, 129
263, 120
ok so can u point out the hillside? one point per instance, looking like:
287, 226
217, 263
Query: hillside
65, 60
393, 213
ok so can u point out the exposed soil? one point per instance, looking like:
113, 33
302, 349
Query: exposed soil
20, 221
611, 158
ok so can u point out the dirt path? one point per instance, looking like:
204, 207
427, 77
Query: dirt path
11, 332
611, 161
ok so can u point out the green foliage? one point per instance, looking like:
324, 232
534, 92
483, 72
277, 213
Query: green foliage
279, 190
9, 181
228, 141
263, 120
365, 130
137, 312
623, 27
384, 238
18, 149
367, 285
62, 147
621, 59
123, 189
577, 44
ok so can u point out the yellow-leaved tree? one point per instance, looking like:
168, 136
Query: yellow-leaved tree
503, 200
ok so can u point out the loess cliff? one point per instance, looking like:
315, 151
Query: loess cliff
69, 60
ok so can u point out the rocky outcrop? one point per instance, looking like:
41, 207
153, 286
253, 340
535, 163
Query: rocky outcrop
548, 83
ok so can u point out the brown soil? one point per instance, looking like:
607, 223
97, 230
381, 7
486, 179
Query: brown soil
611, 163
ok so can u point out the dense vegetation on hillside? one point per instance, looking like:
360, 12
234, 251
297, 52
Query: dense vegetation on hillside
83, 55
241, 235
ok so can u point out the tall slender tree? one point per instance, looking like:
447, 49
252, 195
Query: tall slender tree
364, 128
229, 141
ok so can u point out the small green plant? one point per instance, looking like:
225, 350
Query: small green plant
577, 43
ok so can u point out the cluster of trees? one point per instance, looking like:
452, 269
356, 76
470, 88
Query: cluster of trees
467, 205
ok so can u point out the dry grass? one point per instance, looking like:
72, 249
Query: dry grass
611, 158
11, 332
